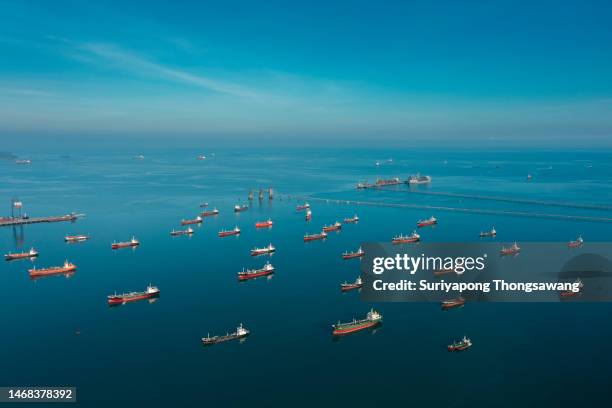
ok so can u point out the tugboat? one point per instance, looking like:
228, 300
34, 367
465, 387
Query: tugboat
149, 293
196, 220
358, 284
464, 344
176, 233
76, 238
209, 213
263, 224
131, 243
268, 269
418, 179
569, 293
240, 208
53, 270
425, 223
32, 253
226, 233
314, 237
452, 303
301, 207
308, 215
511, 250
262, 251
335, 227
373, 319
351, 220
240, 333
406, 239
350, 255
488, 234
577, 243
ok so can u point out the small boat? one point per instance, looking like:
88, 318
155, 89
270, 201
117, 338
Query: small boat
270, 193
263, 224
240, 208
201, 157
335, 227
76, 238
418, 179
308, 215
196, 220
176, 233
262, 251
464, 344
529, 177
268, 269
240, 333
131, 243
209, 213
23, 161
203, 205
406, 239
301, 207
577, 243
226, 233
487, 234
570, 293
358, 284
373, 319
32, 253
314, 237
452, 303
350, 255
351, 220
149, 293
425, 223
53, 270
511, 250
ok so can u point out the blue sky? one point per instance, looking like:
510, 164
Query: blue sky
411, 70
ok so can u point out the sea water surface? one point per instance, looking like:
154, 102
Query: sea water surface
59, 331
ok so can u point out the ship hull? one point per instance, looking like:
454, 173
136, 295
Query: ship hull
258, 253
124, 245
348, 288
330, 229
457, 348
319, 237
14, 257
120, 300
190, 222
352, 256
223, 339
343, 331
426, 224
263, 225
208, 213
228, 234
574, 244
35, 273
405, 241
247, 276
452, 305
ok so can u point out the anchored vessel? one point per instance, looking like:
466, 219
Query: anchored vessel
32, 253
308, 215
76, 238
203, 205
373, 319
240, 333
406, 239
314, 237
464, 344
425, 223
240, 208
150, 292
261, 251
452, 303
334, 227
345, 287
53, 270
209, 213
268, 269
388, 182
356, 254
568, 293
196, 220
351, 220
187, 231
511, 250
226, 233
301, 207
418, 179
131, 243
577, 243
486, 234
263, 224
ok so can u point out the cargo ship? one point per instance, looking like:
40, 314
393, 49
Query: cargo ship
511, 250
149, 293
487, 234
196, 220
240, 333
569, 294
301, 207
388, 182
406, 239
351, 220
268, 269
226, 233
577, 243
418, 179
452, 303
76, 238
53, 270
209, 213
240, 208
426, 223
176, 233
350, 255
334, 227
373, 319
358, 284
32, 253
308, 215
314, 237
464, 344
263, 251
263, 224
131, 243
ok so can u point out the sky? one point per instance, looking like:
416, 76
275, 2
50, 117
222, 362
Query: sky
483, 71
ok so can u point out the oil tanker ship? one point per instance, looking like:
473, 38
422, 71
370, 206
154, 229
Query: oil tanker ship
511, 250
209, 213
149, 293
301, 207
240, 333
452, 303
76, 238
358, 284
240, 208
464, 344
314, 237
263, 251
176, 233
53, 270
264, 224
488, 234
308, 215
426, 223
352, 220
576, 243
406, 239
32, 253
227, 233
268, 269
131, 243
334, 227
196, 220
373, 319
356, 254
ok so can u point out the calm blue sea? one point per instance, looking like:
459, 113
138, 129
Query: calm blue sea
150, 353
